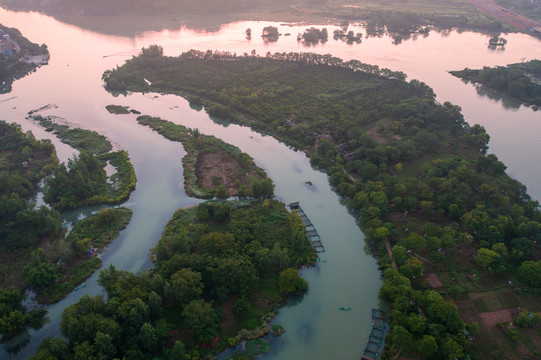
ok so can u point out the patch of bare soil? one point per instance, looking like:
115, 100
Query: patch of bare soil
492, 318
434, 281
221, 168
380, 138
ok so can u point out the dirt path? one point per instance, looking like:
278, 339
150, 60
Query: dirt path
489, 7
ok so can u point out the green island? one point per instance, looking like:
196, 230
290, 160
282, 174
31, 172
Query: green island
521, 81
77, 138
33, 250
220, 269
83, 181
121, 110
213, 168
455, 235
18, 57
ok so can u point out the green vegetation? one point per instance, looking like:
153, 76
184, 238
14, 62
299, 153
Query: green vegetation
216, 279
414, 171
521, 81
118, 109
83, 181
13, 64
76, 256
24, 161
77, 138
13, 317
213, 168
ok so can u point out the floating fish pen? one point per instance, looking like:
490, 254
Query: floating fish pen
376, 339
311, 232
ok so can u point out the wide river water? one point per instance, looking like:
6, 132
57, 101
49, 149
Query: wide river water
315, 329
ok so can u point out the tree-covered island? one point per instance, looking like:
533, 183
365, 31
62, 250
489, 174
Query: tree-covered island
213, 168
456, 237
18, 57
220, 268
83, 181
33, 250
521, 81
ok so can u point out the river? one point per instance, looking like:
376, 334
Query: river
315, 329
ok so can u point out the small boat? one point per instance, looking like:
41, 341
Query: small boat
320, 260
80, 286
344, 308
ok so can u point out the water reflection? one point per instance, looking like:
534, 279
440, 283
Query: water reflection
507, 102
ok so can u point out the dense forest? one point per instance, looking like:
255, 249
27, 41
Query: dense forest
521, 80
11, 66
220, 269
417, 175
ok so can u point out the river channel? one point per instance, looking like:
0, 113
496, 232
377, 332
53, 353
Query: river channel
349, 277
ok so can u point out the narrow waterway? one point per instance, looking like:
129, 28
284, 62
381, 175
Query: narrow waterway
315, 329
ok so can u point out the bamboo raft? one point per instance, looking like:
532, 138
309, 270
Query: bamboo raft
311, 231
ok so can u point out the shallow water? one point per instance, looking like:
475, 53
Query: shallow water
315, 328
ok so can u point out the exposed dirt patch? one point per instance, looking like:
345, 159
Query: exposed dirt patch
494, 317
434, 281
213, 169
376, 135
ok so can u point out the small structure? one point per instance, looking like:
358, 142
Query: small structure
376, 339
311, 232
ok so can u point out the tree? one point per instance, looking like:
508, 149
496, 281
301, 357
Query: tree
200, 319
187, 286
104, 344
485, 257
148, 338
290, 282
177, 352
221, 192
428, 346
399, 254
530, 273
451, 349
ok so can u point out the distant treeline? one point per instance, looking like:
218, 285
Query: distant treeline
521, 81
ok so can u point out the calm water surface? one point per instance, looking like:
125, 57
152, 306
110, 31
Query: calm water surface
315, 329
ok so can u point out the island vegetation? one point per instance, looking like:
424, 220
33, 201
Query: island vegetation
213, 168
18, 57
455, 235
83, 181
33, 251
24, 162
221, 267
521, 81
